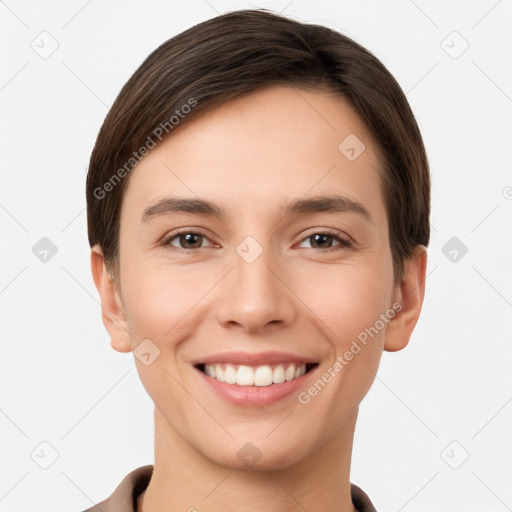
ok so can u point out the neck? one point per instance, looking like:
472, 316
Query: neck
184, 479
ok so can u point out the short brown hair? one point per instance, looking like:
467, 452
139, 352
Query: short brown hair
239, 52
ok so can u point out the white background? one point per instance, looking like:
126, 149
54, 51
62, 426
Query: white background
63, 384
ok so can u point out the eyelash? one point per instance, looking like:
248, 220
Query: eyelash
343, 243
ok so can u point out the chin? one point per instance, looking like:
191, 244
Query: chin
258, 456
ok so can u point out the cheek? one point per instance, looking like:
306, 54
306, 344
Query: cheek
347, 298
161, 301
351, 304
159, 307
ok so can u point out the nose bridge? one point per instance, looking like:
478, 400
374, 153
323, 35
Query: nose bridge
254, 277
255, 296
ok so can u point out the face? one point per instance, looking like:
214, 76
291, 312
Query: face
256, 279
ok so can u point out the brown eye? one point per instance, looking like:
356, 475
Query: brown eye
324, 240
186, 240
320, 240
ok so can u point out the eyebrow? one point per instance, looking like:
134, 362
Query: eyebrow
330, 204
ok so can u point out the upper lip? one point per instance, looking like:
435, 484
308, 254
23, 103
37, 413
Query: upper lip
254, 359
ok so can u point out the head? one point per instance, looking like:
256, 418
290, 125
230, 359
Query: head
256, 122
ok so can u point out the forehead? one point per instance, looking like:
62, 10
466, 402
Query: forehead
275, 143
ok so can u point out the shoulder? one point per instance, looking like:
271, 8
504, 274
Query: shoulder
361, 500
124, 497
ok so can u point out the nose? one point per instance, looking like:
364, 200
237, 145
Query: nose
256, 297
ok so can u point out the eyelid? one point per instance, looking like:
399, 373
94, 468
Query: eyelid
330, 232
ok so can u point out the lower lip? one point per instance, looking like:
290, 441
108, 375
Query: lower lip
255, 396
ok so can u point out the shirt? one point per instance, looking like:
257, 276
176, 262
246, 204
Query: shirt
124, 498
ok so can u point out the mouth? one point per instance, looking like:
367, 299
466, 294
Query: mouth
256, 376
257, 380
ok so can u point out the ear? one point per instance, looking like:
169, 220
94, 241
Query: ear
409, 293
113, 315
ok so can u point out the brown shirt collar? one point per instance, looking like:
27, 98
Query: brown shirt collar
124, 498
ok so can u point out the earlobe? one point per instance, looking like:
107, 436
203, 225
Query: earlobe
409, 293
113, 315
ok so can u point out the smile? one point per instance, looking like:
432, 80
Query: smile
264, 375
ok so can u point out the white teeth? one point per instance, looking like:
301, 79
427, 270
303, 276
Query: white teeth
254, 376
263, 376
230, 374
290, 373
219, 372
278, 375
245, 376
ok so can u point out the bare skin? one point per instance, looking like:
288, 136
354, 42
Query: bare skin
197, 296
